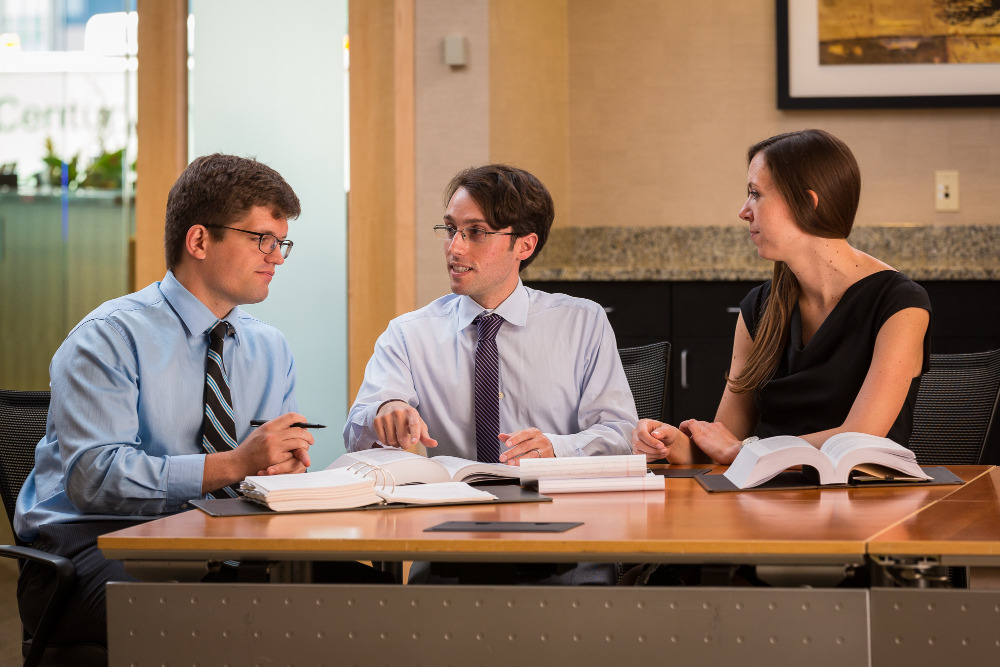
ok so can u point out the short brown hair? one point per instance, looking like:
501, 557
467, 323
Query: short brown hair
508, 197
220, 190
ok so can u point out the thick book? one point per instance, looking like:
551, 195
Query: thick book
409, 468
843, 458
624, 472
342, 488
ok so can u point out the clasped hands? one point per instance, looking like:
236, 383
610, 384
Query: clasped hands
398, 424
658, 440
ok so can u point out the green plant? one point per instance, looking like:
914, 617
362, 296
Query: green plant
55, 166
105, 172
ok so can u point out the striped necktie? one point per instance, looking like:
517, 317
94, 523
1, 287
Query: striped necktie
218, 429
487, 388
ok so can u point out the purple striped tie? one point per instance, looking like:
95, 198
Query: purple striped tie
487, 388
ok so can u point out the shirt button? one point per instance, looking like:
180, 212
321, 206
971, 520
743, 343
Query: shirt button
501, 394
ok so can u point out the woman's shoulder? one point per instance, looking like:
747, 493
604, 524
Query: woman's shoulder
892, 283
752, 306
887, 292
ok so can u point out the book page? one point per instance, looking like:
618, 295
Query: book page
462, 470
837, 446
405, 467
618, 465
853, 450
441, 492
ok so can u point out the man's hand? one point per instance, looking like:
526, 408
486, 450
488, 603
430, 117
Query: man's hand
527, 442
653, 438
398, 424
271, 449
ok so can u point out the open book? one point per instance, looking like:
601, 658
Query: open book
871, 456
409, 468
626, 472
343, 488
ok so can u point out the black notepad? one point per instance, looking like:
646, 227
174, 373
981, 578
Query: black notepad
504, 526
794, 480
505, 493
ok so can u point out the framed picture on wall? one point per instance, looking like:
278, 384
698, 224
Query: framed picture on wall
844, 54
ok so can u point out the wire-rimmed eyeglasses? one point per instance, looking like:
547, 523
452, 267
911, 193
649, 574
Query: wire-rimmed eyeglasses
473, 234
266, 243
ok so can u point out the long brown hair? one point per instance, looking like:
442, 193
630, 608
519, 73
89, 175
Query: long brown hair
799, 162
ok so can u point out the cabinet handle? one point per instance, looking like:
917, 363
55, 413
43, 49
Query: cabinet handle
735, 310
684, 369
608, 309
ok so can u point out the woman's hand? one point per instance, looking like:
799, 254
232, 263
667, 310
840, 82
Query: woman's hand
713, 438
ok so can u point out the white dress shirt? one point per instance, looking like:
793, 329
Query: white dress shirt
559, 372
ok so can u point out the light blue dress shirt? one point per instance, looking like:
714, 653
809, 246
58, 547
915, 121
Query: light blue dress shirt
559, 372
123, 438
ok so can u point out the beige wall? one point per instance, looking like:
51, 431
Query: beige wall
638, 113
664, 98
452, 121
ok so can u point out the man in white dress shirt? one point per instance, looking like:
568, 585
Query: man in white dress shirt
559, 387
562, 389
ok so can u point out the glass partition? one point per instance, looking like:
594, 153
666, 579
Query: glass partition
67, 147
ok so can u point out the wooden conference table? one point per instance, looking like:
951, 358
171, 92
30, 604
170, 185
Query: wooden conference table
800, 537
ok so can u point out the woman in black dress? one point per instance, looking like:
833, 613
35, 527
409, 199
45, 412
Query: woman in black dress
835, 341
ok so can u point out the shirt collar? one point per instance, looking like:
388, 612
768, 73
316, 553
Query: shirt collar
195, 315
514, 308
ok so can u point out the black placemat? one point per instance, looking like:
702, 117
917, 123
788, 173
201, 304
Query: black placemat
793, 480
504, 526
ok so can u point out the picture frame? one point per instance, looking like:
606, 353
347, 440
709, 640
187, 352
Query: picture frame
805, 84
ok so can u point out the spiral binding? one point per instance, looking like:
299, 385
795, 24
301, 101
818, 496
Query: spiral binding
366, 469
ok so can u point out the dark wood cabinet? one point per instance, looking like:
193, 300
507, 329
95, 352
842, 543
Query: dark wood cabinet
705, 315
699, 319
965, 315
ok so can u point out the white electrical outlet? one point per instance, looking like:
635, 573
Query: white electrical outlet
945, 190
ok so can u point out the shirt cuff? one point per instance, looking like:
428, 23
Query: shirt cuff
185, 474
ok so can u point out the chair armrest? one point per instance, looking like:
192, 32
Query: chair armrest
65, 573
64, 569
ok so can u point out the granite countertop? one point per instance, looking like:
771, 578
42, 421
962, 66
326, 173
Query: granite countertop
725, 252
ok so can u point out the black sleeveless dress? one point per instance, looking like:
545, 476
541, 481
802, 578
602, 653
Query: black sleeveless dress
815, 385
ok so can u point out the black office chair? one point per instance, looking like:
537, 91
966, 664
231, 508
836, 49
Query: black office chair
646, 369
22, 425
956, 408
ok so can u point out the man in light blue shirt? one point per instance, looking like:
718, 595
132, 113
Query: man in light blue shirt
563, 391
123, 441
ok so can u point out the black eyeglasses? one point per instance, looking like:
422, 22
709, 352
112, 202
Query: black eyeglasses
266, 243
474, 234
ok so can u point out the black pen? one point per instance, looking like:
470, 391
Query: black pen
261, 422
